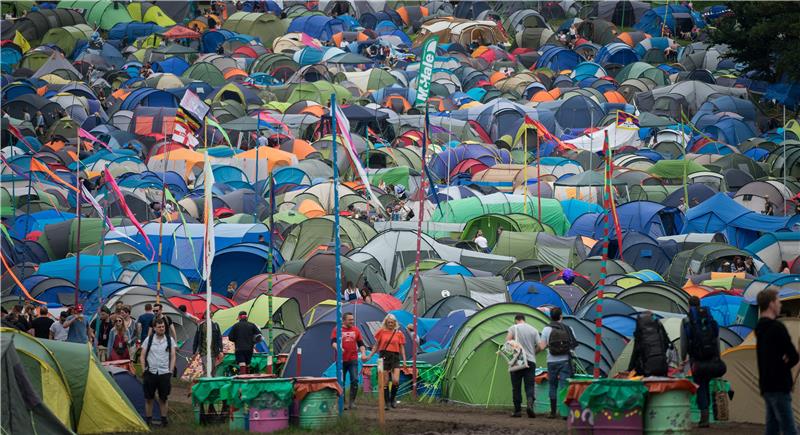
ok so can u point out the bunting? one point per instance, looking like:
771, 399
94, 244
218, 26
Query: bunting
343, 125
184, 129
88, 136
211, 122
112, 185
18, 134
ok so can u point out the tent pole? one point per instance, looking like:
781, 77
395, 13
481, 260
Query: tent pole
421, 217
538, 176
525, 171
784, 149
337, 245
100, 275
269, 257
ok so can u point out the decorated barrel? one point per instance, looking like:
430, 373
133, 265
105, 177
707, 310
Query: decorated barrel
209, 400
616, 406
667, 409
579, 420
260, 403
315, 402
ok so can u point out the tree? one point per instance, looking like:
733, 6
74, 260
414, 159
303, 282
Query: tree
764, 36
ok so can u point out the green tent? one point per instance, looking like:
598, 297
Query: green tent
474, 372
285, 313
656, 296
702, 259
385, 157
674, 169
561, 252
61, 238
96, 403
205, 72
104, 14
265, 26
307, 236
67, 37
636, 70
402, 175
23, 409
319, 91
590, 268
490, 223
463, 210
435, 286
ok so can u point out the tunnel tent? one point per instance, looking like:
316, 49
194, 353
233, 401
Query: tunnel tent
561, 252
265, 26
492, 224
434, 285
285, 313
443, 307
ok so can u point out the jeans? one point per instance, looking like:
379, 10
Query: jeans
350, 367
780, 419
517, 378
557, 374
703, 393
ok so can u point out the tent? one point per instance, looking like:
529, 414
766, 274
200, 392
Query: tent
434, 286
561, 252
537, 295
265, 26
94, 400
307, 292
24, 410
285, 313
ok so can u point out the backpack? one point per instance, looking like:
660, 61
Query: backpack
702, 334
561, 341
653, 355
150, 344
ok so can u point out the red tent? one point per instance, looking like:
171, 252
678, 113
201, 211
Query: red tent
180, 32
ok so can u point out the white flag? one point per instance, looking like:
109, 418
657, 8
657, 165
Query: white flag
208, 222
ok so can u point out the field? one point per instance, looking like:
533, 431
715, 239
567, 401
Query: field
415, 419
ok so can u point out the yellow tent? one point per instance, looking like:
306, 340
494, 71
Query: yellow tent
149, 13
274, 156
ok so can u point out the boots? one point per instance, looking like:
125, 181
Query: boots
552, 409
353, 393
394, 396
703, 418
242, 369
386, 398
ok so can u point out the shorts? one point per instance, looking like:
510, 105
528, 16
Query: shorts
161, 383
391, 360
243, 356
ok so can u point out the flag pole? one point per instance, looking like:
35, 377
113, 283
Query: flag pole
337, 245
415, 347
538, 176
598, 341
784, 150
525, 171
208, 255
269, 257
78, 212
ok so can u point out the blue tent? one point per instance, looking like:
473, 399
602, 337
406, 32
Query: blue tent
616, 52
317, 26
536, 294
90, 268
742, 226
678, 17
787, 94
723, 307
650, 218
149, 97
445, 329
145, 272
575, 207
174, 65
558, 58
133, 30
624, 325
26, 223
239, 262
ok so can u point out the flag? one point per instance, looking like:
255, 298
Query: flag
18, 134
90, 199
626, 121
193, 106
208, 221
210, 121
112, 185
309, 41
344, 128
41, 167
88, 136
184, 128
425, 74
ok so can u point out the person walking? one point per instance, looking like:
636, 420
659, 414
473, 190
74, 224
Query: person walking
651, 342
390, 344
119, 341
776, 355
244, 335
40, 326
98, 334
58, 331
158, 363
76, 326
200, 348
700, 343
559, 340
527, 338
352, 345
144, 321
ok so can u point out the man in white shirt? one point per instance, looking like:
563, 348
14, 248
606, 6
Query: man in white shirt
58, 331
158, 363
481, 241
528, 339
559, 339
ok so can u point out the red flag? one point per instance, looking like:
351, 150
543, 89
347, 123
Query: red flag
112, 184
18, 134
86, 135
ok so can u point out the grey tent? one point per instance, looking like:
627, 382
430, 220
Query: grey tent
695, 93
435, 285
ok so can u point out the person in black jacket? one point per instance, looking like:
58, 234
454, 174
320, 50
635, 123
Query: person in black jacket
776, 355
199, 346
244, 335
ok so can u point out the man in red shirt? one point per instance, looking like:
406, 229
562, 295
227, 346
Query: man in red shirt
352, 344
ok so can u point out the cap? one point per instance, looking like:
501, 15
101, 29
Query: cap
79, 308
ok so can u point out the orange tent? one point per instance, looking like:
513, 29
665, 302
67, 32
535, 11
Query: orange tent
311, 209
274, 156
543, 95
299, 147
234, 72
614, 97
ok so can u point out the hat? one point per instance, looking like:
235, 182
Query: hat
78, 308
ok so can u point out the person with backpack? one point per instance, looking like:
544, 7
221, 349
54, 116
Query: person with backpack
700, 343
651, 342
158, 363
244, 335
559, 340
200, 348
527, 339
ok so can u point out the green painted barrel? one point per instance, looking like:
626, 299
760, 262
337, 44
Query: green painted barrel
318, 409
668, 413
